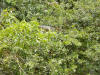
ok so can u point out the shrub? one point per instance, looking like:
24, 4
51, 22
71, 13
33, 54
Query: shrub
25, 50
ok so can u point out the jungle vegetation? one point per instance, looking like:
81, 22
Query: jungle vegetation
49, 37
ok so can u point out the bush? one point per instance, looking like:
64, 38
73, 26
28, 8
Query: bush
25, 49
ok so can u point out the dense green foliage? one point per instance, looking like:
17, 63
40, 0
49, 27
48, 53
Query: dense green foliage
73, 48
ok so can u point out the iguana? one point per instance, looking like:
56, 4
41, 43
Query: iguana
47, 28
